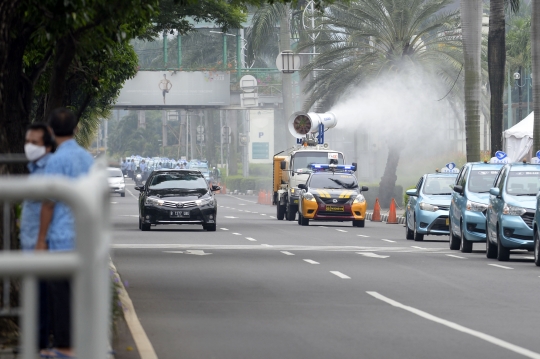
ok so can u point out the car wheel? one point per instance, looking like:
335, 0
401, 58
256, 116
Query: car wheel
503, 253
453, 240
418, 237
465, 245
291, 213
210, 227
536, 249
280, 212
360, 223
299, 218
408, 233
122, 194
145, 227
304, 221
491, 249
140, 221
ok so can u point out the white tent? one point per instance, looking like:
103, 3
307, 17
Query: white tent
519, 139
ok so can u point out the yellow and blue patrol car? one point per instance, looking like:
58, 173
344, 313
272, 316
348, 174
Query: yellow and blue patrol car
332, 193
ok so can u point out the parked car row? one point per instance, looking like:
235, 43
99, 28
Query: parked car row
492, 203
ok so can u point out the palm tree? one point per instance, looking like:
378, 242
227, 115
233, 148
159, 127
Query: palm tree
367, 40
535, 39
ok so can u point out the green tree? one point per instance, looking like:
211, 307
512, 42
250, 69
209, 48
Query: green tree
366, 40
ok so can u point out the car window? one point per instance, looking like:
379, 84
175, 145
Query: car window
500, 180
463, 179
481, 181
419, 184
177, 180
115, 172
523, 183
438, 185
333, 181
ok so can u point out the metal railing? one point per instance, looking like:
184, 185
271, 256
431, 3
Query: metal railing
87, 266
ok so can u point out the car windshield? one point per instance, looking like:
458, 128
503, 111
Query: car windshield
439, 185
333, 181
304, 160
177, 181
115, 172
480, 181
523, 183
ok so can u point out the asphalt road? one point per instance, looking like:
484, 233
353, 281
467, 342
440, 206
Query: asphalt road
262, 288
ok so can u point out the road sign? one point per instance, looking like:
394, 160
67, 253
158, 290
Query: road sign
226, 134
288, 62
260, 150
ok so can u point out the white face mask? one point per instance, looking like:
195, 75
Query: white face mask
34, 152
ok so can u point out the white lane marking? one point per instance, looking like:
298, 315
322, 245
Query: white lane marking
241, 199
527, 257
339, 274
262, 214
144, 347
254, 212
488, 338
237, 234
132, 195
372, 255
247, 211
240, 210
454, 256
224, 229
287, 253
271, 216
341, 230
229, 217
500, 266
418, 247
361, 235
311, 261
114, 202
241, 204
323, 227
387, 240
197, 253
266, 245
251, 239
129, 215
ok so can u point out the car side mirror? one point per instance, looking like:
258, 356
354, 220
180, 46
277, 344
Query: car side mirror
215, 188
355, 165
283, 165
495, 192
412, 193
364, 189
458, 189
302, 186
139, 188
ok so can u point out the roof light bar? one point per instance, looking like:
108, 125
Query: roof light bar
334, 168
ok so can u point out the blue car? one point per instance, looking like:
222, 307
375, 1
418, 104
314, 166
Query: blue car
536, 234
470, 200
510, 214
427, 209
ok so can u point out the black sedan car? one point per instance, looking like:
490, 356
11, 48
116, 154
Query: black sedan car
177, 197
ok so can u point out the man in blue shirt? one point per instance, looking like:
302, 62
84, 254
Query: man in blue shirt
57, 227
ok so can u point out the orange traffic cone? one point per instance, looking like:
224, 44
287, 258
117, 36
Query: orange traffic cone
376, 216
224, 189
269, 197
392, 217
260, 197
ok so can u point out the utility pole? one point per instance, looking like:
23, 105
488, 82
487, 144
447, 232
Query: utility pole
221, 136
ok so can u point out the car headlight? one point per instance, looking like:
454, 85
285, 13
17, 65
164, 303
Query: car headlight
154, 202
309, 197
205, 201
513, 211
359, 199
428, 207
476, 207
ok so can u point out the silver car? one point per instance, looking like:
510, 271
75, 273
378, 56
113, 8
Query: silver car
116, 181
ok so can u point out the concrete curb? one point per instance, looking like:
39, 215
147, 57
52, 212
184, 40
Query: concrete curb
384, 218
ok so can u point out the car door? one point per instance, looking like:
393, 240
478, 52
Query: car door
495, 202
461, 200
413, 201
455, 210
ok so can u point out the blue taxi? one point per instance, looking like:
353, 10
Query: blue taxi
469, 204
536, 229
511, 210
427, 210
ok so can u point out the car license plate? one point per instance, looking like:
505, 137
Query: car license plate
179, 214
335, 209
448, 221
295, 201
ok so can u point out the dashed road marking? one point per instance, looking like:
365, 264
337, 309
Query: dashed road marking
387, 240
287, 253
272, 217
339, 274
361, 235
323, 227
132, 195
251, 239
311, 261
500, 266
486, 337
262, 214
230, 217
372, 255
454, 256
341, 230
237, 234
418, 247
224, 229
266, 245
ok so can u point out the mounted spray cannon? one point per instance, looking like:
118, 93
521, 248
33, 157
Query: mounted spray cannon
292, 167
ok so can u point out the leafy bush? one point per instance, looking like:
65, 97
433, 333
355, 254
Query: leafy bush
261, 170
405, 197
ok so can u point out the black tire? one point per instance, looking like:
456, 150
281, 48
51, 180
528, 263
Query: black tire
299, 218
453, 240
536, 248
418, 237
360, 223
145, 227
122, 194
503, 253
210, 227
408, 233
465, 245
140, 221
280, 212
291, 213
304, 221
491, 249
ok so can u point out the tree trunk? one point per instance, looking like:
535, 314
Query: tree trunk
233, 146
535, 39
285, 140
496, 63
471, 28
388, 181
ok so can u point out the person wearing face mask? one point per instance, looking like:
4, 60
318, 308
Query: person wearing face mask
38, 148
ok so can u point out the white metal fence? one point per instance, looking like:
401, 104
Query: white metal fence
87, 266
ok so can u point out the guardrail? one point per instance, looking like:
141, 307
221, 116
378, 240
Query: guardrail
87, 266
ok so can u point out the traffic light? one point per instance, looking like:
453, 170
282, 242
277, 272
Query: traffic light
200, 135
